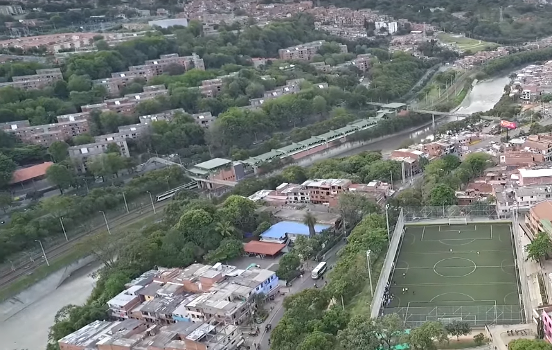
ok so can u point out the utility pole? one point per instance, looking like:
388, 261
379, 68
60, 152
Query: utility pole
43, 252
368, 252
105, 219
63, 228
387, 222
152, 204
126, 204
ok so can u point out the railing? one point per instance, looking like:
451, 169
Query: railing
387, 268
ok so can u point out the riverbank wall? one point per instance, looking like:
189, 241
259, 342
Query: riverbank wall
41, 289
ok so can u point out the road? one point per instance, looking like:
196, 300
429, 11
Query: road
486, 142
298, 285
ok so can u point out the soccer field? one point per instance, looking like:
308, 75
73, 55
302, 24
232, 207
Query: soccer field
456, 272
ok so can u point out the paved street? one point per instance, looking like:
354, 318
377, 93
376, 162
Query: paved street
278, 310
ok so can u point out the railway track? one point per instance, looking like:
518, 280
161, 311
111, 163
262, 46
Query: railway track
19, 271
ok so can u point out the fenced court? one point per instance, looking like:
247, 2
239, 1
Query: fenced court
457, 271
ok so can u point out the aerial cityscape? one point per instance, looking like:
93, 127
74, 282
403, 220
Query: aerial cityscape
224, 175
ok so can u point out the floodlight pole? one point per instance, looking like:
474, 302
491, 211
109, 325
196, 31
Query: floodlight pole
368, 252
387, 221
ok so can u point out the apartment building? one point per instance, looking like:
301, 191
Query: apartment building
541, 144
205, 119
164, 61
211, 87
377, 191
42, 79
73, 117
198, 293
410, 158
323, 191
386, 27
134, 334
126, 105
305, 52
148, 70
539, 219
363, 62
82, 153
11, 10
476, 191
438, 149
10, 126
521, 158
122, 303
163, 116
45, 135
529, 177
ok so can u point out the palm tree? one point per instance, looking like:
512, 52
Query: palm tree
310, 221
225, 229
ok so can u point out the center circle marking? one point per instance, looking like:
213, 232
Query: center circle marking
457, 258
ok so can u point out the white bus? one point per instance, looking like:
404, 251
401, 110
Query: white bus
319, 270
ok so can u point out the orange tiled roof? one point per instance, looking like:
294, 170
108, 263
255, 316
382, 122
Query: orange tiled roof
32, 172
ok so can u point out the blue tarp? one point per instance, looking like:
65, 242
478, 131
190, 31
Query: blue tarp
280, 229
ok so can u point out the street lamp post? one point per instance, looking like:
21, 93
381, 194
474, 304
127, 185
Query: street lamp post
43, 252
106, 223
126, 204
152, 203
387, 221
63, 228
12, 267
368, 252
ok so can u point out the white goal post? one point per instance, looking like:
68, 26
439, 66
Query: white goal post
458, 221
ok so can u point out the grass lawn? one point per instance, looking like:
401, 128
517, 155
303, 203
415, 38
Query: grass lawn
63, 260
464, 43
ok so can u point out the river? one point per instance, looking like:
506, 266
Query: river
482, 97
40, 316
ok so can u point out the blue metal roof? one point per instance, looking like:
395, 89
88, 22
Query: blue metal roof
280, 229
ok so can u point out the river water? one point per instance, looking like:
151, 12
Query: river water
40, 316
482, 97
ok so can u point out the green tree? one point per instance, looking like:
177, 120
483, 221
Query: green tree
317, 341
410, 197
319, 105
225, 229
6, 201
79, 83
58, 151
294, 174
7, 167
479, 339
360, 334
113, 148
427, 336
57, 206
529, 344
457, 329
240, 212
83, 139
60, 176
287, 267
442, 194
229, 248
310, 220
539, 248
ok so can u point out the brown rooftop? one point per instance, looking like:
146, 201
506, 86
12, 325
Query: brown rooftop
543, 210
264, 248
29, 173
